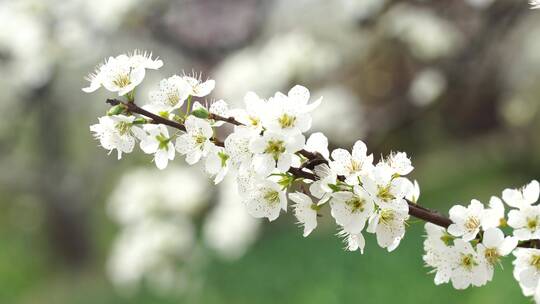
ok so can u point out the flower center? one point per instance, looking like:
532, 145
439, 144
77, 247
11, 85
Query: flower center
123, 127
223, 157
387, 215
492, 255
163, 141
173, 99
355, 166
385, 194
122, 80
467, 261
472, 223
254, 121
532, 223
275, 148
195, 89
271, 196
356, 203
535, 261
200, 139
286, 121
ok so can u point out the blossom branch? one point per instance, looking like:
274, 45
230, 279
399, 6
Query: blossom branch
133, 108
313, 159
463, 248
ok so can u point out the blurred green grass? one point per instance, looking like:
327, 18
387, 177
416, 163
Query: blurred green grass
283, 266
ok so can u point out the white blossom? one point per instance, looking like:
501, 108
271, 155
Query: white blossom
524, 197
468, 267
305, 211
494, 246
387, 190
526, 222
173, 91
265, 200
318, 143
274, 150
527, 271
246, 178
289, 114
255, 109
352, 209
466, 220
534, 4
352, 165
217, 163
159, 109
439, 254
399, 163
322, 187
389, 226
494, 216
116, 132
158, 142
196, 142
353, 241
413, 193
122, 73
200, 88
237, 146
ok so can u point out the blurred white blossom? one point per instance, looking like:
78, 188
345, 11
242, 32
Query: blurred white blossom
480, 4
151, 250
339, 102
229, 229
272, 66
427, 86
427, 35
143, 193
23, 44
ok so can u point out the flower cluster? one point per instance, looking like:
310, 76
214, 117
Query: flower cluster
272, 160
265, 151
468, 250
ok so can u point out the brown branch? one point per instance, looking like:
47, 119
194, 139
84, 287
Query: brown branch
133, 108
429, 215
313, 159
230, 120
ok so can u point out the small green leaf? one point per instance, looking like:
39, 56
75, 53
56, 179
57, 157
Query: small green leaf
200, 113
115, 110
139, 121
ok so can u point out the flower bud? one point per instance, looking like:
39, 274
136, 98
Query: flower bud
115, 110
200, 113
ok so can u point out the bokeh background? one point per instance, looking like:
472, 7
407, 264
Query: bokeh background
456, 84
